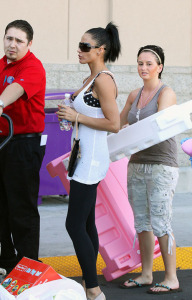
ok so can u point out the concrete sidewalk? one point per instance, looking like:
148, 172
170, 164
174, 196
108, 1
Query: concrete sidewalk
54, 240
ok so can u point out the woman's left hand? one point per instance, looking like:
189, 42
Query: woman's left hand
67, 113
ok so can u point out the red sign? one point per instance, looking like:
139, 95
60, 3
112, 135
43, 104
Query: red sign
26, 274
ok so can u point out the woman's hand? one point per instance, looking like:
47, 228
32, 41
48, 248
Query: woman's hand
124, 126
66, 112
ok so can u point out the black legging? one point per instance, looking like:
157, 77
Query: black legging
80, 224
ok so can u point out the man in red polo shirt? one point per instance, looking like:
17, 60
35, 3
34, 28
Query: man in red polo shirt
22, 94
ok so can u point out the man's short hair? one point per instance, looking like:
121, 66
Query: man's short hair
22, 25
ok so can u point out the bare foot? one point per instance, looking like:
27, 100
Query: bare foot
170, 284
139, 281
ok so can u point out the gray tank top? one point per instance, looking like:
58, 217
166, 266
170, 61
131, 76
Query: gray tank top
163, 153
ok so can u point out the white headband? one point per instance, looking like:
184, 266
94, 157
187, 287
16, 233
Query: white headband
159, 58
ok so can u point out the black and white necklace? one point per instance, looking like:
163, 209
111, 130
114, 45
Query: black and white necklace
144, 102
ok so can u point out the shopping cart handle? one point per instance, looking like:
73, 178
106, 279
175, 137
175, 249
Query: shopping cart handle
7, 139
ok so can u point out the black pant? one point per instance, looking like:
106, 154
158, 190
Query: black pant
20, 163
80, 224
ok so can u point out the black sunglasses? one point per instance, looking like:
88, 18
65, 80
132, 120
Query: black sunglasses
86, 47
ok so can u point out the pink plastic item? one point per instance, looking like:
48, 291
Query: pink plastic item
114, 219
187, 147
115, 224
57, 168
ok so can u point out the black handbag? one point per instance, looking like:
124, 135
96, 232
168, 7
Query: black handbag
75, 152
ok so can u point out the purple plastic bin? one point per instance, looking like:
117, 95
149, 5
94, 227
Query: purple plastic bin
58, 143
56, 94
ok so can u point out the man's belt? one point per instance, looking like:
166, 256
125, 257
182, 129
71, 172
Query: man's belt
24, 135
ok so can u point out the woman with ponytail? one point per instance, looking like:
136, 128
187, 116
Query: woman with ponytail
95, 107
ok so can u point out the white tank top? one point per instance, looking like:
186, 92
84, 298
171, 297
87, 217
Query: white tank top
94, 162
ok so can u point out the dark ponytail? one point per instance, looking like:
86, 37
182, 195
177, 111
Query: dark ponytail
109, 38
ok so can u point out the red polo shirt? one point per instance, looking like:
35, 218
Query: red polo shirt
27, 112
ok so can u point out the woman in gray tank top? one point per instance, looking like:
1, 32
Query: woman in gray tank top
152, 175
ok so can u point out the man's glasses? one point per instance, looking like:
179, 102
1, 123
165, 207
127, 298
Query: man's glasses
86, 47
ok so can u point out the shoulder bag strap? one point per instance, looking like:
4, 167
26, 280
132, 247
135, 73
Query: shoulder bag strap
77, 127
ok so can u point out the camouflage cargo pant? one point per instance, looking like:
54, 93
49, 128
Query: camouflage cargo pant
150, 191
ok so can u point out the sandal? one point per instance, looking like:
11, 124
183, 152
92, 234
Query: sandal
137, 284
99, 297
169, 290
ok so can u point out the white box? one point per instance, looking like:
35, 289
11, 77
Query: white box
150, 131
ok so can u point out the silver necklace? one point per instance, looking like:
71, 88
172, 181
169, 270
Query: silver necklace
144, 103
